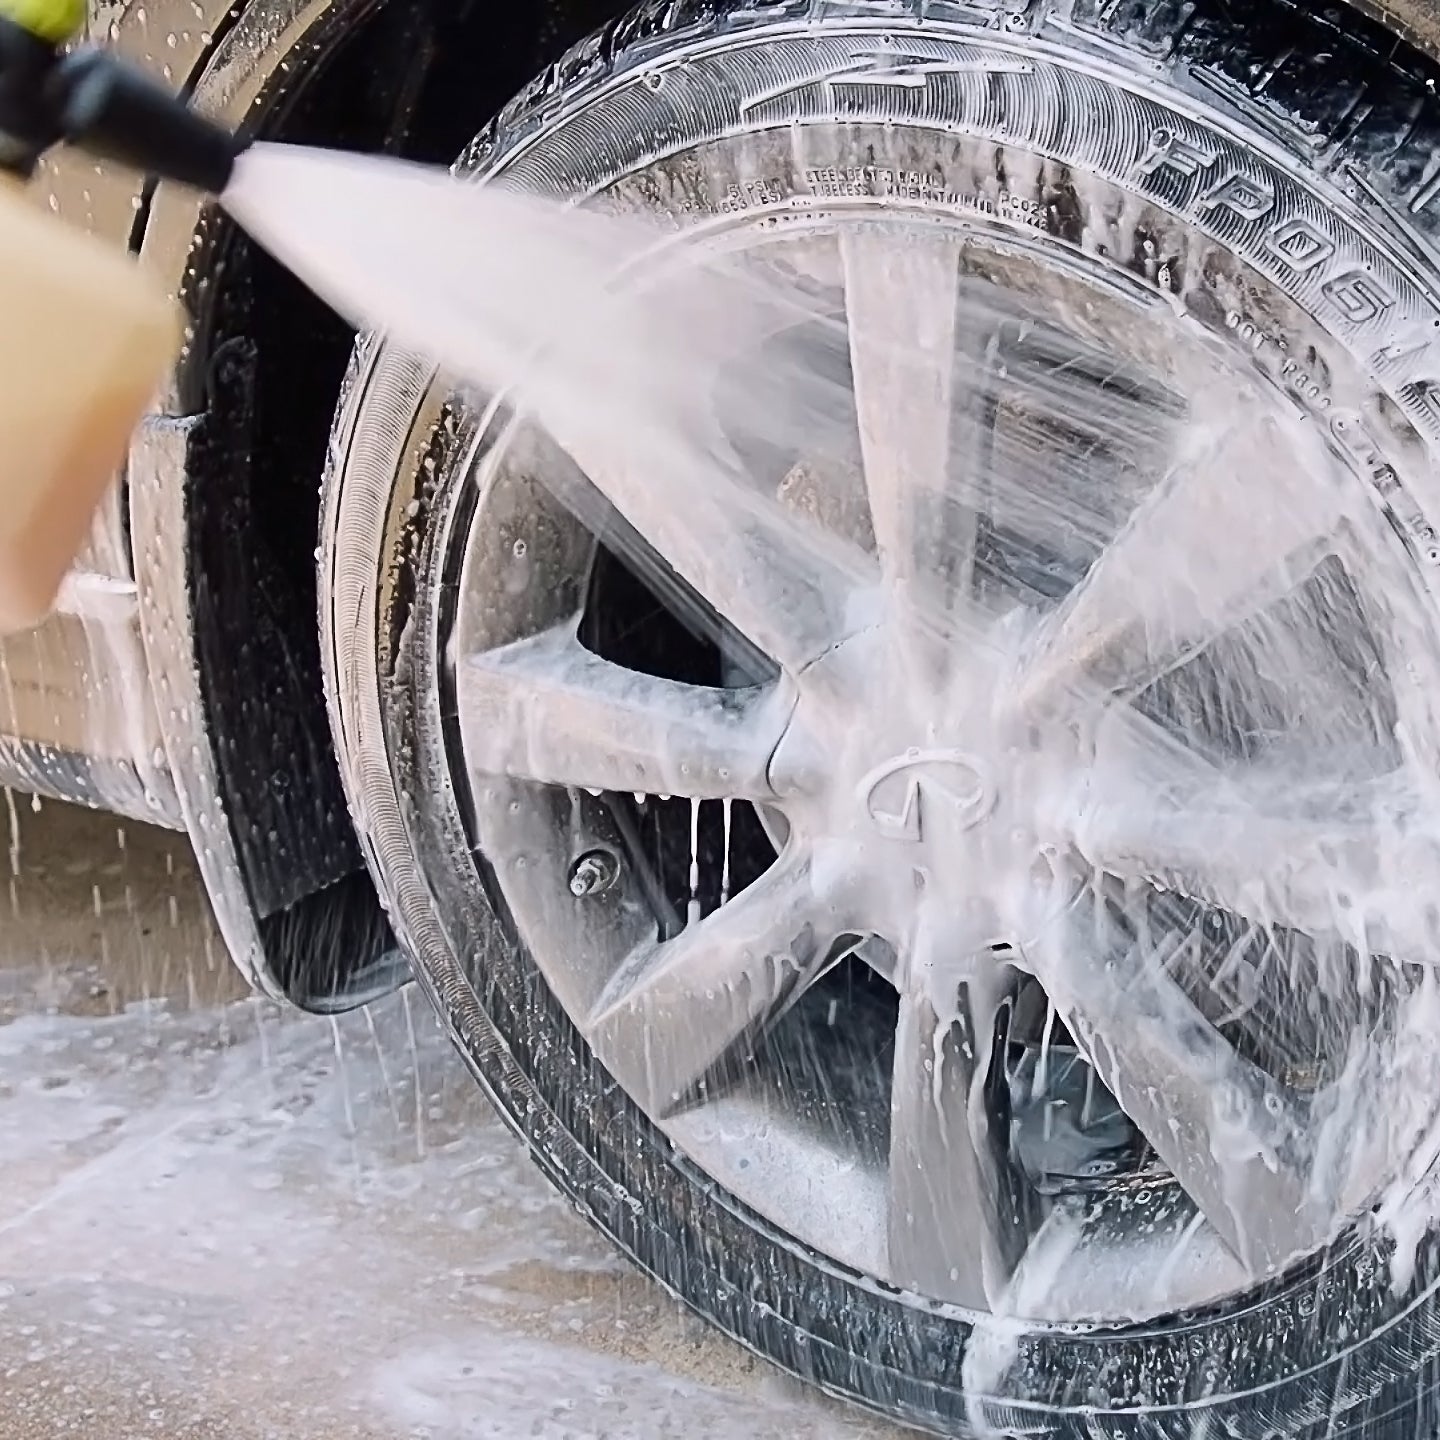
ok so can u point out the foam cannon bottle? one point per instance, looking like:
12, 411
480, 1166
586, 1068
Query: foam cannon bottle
85, 334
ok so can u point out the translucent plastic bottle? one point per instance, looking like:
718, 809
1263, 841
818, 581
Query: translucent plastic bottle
85, 339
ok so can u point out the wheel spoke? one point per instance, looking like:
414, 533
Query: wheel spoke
900, 293
956, 1228
676, 1009
785, 583
1240, 520
547, 709
1237, 1141
1404, 637
1361, 863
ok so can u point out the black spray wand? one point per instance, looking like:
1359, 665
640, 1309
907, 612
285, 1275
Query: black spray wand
94, 100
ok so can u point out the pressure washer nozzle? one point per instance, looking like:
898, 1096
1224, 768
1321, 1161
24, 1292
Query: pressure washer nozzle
115, 111
93, 99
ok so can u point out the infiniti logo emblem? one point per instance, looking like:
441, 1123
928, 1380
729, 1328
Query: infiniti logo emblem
900, 794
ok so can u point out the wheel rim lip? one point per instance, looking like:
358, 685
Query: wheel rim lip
867, 1263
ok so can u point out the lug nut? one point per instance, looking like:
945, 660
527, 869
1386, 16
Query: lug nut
593, 873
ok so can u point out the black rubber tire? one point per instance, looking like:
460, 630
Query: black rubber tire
1335, 1351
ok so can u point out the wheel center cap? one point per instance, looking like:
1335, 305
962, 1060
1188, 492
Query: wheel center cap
911, 796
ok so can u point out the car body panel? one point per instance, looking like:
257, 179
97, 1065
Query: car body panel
100, 703
63, 731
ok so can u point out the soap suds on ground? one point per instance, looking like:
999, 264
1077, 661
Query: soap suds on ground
222, 1219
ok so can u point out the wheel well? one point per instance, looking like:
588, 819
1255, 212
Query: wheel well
264, 369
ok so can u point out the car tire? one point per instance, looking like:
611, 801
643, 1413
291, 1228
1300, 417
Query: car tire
1296, 144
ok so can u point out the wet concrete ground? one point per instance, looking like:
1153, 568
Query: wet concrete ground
220, 1219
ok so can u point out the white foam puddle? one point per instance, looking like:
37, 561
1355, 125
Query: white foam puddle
194, 1216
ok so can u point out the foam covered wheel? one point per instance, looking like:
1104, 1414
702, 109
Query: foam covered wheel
1150, 1159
